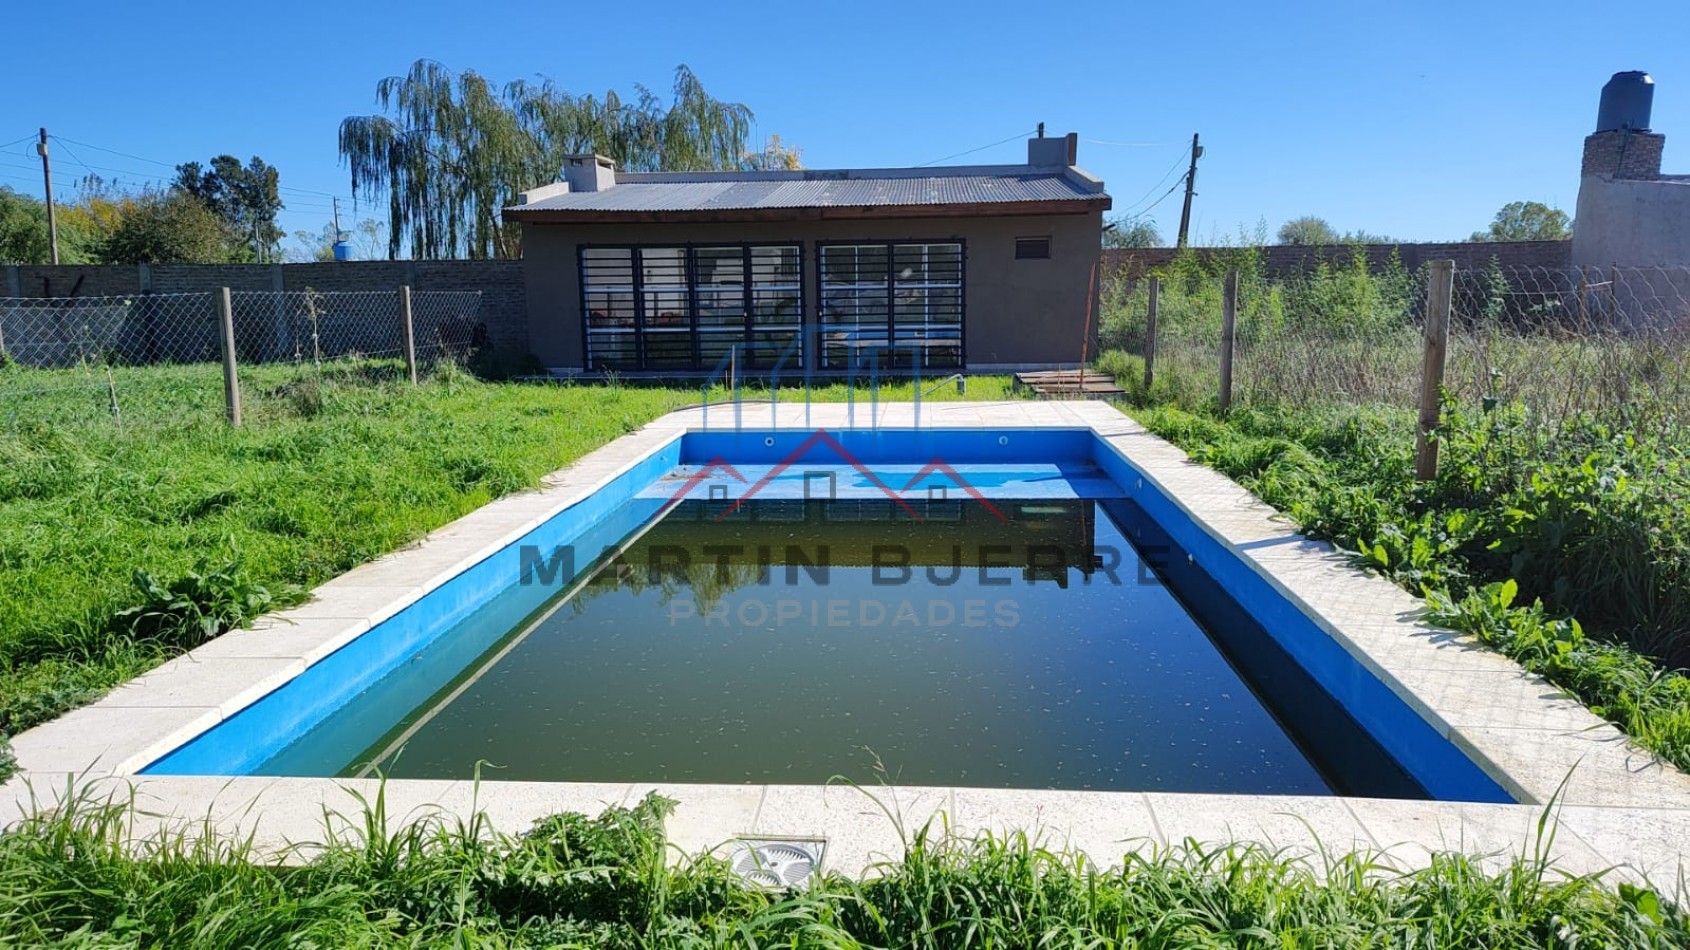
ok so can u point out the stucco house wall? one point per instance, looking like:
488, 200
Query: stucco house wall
1632, 223
1018, 314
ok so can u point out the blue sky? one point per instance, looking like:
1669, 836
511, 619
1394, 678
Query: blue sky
1416, 120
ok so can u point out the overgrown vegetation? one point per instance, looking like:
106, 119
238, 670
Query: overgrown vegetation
76, 877
1557, 530
121, 546
1572, 558
1336, 329
201, 604
1611, 345
126, 541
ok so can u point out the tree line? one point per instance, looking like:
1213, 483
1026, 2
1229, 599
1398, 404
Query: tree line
223, 212
1517, 221
450, 150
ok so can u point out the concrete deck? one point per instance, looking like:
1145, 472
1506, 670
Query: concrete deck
1616, 805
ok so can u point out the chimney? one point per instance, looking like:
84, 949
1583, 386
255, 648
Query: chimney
1622, 146
542, 192
589, 173
1053, 153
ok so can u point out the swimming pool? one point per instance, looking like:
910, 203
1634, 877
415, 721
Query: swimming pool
1012, 608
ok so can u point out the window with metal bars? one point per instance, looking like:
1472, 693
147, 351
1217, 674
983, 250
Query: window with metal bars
666, 307
891, 304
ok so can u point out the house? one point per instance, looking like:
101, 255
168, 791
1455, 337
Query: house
977, 268
1629, 213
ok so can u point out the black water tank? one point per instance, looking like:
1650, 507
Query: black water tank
1626, 101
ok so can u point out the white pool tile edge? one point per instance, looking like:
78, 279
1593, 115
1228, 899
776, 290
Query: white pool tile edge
1618, 806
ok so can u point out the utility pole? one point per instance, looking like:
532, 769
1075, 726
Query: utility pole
47, 176
1190, 184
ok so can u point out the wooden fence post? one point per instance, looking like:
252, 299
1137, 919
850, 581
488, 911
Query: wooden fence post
1229, 332
14, 288
1150, 332
1440, 289
1614, 295
231, 383
408, 331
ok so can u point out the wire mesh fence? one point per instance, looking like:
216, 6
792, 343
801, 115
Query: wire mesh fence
158, 358
1609, 344
59, 333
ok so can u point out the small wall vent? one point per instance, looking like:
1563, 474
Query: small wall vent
1032, 248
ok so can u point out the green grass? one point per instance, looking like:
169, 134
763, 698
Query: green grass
1558, 529
336, 468
77, 878
332, 468
305, 491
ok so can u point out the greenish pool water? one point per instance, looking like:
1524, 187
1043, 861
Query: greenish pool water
971, 643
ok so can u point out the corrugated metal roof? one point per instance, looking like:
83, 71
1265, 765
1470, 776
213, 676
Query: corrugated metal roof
705, 191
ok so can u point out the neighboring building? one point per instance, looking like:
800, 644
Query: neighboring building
1629, 213
979, 268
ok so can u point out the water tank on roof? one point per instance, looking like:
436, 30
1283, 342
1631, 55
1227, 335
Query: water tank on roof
1626, 102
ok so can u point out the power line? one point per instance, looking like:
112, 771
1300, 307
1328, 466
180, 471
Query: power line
1129, 144
72, 153
971, 151
141, 176
1164, 197
1162, 181
171, 166
102, 148
17, 142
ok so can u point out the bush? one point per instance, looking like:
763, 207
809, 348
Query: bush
200, 604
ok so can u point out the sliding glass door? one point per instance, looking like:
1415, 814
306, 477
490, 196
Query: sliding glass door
897, 304
684, 308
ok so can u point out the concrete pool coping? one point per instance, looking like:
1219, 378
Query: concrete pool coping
1618, 805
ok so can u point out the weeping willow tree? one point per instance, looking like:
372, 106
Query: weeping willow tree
451, 149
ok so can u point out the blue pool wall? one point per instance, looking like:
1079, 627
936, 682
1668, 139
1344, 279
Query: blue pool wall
892, 446
1428, 756
241, 743
244, 741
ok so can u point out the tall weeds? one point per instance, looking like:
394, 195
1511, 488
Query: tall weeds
78, 877
1571, 554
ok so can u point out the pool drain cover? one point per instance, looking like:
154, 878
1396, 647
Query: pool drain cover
776, 862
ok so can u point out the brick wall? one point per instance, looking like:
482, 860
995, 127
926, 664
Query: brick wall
1284, 260
504, 304
1624, 154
